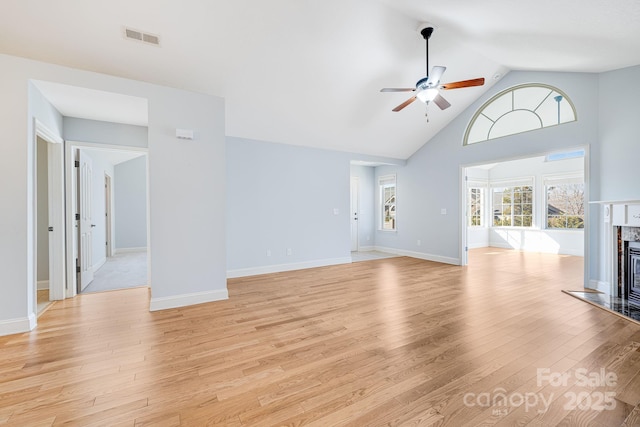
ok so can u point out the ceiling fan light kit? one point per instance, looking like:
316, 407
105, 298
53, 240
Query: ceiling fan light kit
428, 88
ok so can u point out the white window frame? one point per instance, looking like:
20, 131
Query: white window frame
385, 181
483, 186
560, 179
511, 183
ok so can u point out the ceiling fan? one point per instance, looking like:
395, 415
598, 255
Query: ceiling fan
428, 88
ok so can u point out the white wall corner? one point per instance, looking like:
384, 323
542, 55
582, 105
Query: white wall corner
17, 326
601, 286
175, 301
420, 255
267, 269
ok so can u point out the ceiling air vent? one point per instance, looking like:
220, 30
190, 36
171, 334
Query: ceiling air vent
140, 36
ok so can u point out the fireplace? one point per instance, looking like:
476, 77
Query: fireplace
632, 276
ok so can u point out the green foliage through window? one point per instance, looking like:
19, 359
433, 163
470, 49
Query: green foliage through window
513, 206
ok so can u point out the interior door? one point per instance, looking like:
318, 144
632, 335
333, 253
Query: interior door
85, 243
354, 213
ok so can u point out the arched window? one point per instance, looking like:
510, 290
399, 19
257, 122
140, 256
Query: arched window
520, 109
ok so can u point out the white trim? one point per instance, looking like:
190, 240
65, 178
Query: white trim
175, 301
129, 250
267, 269
366, 248
99, 264
17, 326
45, 133
420, 255
525, 249
43, 285
601, 286
69, 157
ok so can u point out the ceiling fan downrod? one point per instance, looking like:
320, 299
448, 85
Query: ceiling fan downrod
426, 33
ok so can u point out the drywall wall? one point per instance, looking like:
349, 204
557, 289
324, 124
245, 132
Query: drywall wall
84, 130
281, 201
198, 246
430, 181
130, 203
287, 206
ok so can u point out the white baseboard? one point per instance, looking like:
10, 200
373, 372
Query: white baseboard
17, 326
601, 286
175, 301
366, 248
267, 269
477, 245
99, 264
129, 250
420, 255
576, 252
43, 285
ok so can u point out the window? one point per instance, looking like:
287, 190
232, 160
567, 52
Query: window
565, 202
387, 185
520, 109
512, 204
476, 203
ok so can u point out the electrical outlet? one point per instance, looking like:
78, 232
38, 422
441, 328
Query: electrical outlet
443, 211
419, 242
289, 251
268, 252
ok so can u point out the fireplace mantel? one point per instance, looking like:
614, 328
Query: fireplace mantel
615, 213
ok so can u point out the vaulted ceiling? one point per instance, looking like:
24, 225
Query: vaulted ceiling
308, 72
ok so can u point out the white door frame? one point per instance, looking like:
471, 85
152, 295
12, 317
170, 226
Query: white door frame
354, 214
55, 150
70, 147
108, 206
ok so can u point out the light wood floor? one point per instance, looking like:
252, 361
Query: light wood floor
395, 341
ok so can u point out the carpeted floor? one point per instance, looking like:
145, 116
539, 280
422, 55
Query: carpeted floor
125, 270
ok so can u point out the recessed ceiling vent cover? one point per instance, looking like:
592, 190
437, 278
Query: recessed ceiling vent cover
140, 36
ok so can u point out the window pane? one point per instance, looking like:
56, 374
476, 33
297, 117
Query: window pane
520, 109
565, 206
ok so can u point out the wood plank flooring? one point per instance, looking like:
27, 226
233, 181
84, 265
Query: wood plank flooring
396, 341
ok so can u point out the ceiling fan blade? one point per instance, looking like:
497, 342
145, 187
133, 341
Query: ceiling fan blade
441, 102
435, 76
398, 89
463, 83
404, 104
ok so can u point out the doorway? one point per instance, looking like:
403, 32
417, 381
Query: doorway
108, 196
534, 204
48, 218
354, 206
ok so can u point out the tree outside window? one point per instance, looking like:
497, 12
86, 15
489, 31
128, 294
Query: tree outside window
565, 206
476, 204
513, 206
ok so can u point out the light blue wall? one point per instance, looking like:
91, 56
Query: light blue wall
283, 197
130, 203
431, 179
619, 109
83, 130
197, 246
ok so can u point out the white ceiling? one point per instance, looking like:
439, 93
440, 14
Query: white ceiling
309, 72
